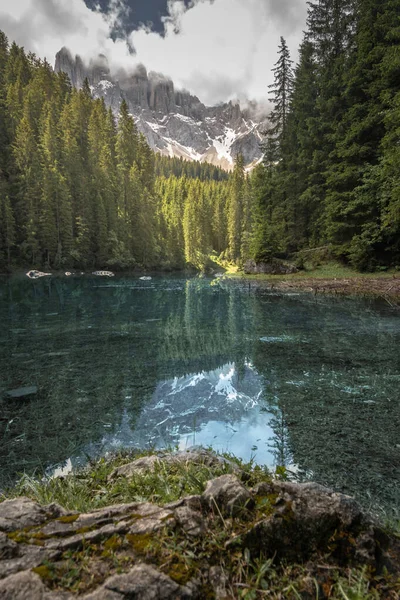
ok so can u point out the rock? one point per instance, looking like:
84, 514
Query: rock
227, 495
37, 274
143, 582
22, 586
308, 517
22, 512
172, 120
8, 548
196, 503
273, 267
138, 518
196, 456
28, 557
293, 522
219, 581
191, 521
22, 392
140, 465
103, 273
152, 522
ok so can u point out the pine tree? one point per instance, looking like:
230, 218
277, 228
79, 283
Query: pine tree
281, 94
4, 138
126, 154
302, 185
56, 212
236, 210
7, 225
29, 177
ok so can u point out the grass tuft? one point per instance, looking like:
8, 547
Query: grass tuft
91, 488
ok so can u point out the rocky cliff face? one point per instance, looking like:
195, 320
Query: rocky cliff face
174, 122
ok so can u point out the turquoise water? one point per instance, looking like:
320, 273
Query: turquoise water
308, 382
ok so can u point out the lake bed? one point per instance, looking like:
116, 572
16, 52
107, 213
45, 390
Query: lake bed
311, 383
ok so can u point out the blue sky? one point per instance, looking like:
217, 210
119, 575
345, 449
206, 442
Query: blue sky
142, 11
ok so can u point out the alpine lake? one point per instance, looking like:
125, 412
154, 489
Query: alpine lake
308, 382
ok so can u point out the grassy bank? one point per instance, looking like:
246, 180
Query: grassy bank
180, 556
90, 488
331, 278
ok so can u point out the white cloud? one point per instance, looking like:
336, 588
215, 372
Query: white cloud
218, 49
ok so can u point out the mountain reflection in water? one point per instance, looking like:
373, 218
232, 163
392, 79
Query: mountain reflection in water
124, 363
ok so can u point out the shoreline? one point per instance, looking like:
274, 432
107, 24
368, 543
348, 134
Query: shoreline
189, 525
385, 286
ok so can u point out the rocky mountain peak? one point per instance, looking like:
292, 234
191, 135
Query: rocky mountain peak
175, 122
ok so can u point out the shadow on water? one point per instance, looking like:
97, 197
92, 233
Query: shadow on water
291, 380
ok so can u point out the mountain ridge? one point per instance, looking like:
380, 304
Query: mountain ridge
174, 122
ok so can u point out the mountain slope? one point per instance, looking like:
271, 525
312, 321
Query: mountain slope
175, 123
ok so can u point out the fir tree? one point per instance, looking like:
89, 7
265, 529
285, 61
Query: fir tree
235, 219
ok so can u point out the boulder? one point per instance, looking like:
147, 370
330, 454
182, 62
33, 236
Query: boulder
273, 267
306, 518
196, 456
227, 495
22, 586
190, 520
284, 521
143, 582
22, 512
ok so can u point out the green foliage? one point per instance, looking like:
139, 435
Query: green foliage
77, 190
331, 165
166, 166
92, 488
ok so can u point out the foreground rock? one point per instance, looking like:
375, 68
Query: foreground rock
195, 456
273, 267
190, 548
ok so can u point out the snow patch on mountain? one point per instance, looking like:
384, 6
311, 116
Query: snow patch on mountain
174, 122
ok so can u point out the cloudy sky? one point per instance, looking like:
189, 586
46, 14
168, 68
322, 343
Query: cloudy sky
217, 49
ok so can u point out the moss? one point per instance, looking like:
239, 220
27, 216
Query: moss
180, 573
44, 572
39, 535
139, 541
20, 537
288, 514
68, 518
265, 504
113, 543
84, 529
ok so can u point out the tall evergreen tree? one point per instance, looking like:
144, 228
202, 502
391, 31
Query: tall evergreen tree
235, 218
281, 94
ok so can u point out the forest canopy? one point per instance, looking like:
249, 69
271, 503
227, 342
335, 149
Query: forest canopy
81, 188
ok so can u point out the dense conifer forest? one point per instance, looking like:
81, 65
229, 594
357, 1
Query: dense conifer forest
80, 188
331, 174
165, 166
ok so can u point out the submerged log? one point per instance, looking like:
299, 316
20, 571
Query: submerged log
22, 392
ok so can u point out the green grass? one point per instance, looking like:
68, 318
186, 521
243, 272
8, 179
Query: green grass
329, 270
90, 488
180, 557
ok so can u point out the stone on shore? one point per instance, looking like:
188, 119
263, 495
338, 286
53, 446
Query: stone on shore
272, 267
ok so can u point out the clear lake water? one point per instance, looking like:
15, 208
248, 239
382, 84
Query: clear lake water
311, 383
